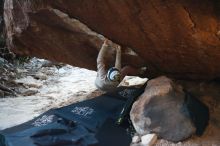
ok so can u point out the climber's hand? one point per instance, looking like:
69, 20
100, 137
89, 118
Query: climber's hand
107, 42
118, 49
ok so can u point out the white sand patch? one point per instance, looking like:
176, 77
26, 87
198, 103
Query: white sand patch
59, 86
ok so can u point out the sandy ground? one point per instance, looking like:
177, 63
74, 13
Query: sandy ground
49, 87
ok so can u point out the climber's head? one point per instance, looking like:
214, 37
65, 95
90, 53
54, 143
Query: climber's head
113, 74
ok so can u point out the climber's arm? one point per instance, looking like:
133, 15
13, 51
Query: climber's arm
102, 53
118, 58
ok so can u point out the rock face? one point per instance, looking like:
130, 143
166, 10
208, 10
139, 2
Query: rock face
1, 16
160, 109
4, 51
180, 39
2, 42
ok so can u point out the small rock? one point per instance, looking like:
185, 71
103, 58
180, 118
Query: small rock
29, 82
149, 139
136, 139
48, 71
21, 70
1, 94
29, 92
40, 76
12, 74
2, 60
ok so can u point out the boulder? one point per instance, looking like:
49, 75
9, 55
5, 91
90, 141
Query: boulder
161, 110
180, 39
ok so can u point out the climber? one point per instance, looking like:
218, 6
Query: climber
108, 78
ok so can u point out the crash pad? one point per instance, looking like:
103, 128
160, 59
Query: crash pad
84, 123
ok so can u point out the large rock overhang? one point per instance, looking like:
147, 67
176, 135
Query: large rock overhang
180, 39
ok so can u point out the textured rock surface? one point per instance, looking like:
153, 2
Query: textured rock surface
176, 38
2, 42
160, 109
4, 51
1, 16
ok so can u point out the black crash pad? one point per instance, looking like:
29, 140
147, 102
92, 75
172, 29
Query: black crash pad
86, 123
